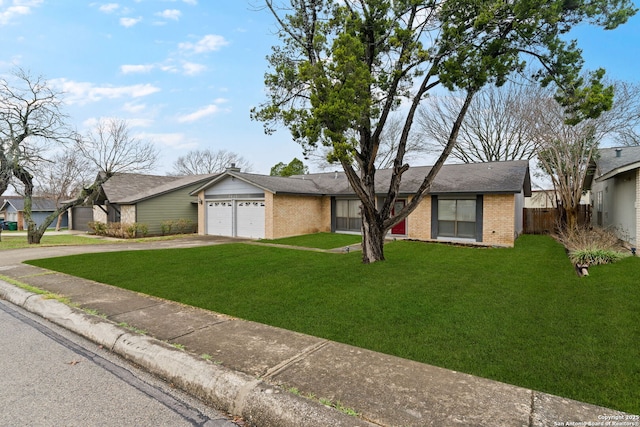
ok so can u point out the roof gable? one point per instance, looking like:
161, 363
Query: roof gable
38, 204
616, 160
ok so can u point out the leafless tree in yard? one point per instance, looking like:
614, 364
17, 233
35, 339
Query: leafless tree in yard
199, 162
33, 128
494, 129
63, 177
112, 149
31, 121
566, 150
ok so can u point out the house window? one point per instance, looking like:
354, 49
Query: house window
348, 215
457, 218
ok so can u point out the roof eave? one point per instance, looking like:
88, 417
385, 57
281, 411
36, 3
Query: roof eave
617, 171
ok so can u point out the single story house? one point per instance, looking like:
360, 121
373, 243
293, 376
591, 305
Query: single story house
481, 203
12, 209
148, 199
615, 189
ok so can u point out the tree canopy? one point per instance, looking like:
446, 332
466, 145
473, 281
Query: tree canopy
199, 162
343, 67
295, 167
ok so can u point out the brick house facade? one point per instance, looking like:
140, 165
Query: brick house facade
474, 203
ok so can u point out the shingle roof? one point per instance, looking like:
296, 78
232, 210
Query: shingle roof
129, 188
609, 164
495, 177
38, 204
175, 184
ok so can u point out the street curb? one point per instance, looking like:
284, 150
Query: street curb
256, 401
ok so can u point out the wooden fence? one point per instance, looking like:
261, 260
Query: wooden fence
545, 220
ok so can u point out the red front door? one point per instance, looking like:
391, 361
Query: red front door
401, 227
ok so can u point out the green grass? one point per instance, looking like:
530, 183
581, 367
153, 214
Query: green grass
18, 242
318, 240
517, 315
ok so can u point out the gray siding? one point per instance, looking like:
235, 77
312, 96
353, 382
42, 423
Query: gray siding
232, 186
174, 205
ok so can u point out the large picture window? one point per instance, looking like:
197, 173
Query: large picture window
348, 215
457, 218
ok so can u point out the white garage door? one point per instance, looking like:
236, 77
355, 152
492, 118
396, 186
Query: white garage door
250, 219
220, 218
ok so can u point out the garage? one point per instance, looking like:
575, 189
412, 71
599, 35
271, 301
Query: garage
220, 218
236, 218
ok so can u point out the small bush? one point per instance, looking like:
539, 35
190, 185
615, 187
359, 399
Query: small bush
595, 256
592, 246
178, 226
119, 230
98, 228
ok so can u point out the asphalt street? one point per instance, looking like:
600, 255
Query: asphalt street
51, 377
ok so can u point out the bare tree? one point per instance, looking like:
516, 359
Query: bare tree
200, 162
30, 121
417, 146
495, 127
63, 177
112, 149
621, 124
565, 150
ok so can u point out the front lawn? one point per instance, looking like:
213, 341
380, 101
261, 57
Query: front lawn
319, 240
10, 241
517, 315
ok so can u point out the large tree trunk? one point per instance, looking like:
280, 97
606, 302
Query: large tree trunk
372, 241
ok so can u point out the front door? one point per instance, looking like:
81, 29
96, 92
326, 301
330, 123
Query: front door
401, 227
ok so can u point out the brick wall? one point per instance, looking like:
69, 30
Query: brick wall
201, 213
419, 221
294, 215
498, 227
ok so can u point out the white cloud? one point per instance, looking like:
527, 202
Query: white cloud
135, 69
174, 140
133, 108
208, 43
170, 14
191, 68
129, 22
206, 111
109, 7
85, 92
193, 2
15, 9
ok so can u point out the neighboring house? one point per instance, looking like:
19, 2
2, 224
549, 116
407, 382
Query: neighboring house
12, 209
480, 203
148, 199
615, 189
547, 199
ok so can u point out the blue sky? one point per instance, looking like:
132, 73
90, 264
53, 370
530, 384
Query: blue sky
185, 73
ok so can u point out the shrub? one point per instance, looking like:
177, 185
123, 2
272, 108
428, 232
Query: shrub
595, 256
143, 229
591, 245
178, 226
119, 230
98, 228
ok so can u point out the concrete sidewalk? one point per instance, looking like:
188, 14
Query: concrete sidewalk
262, 373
